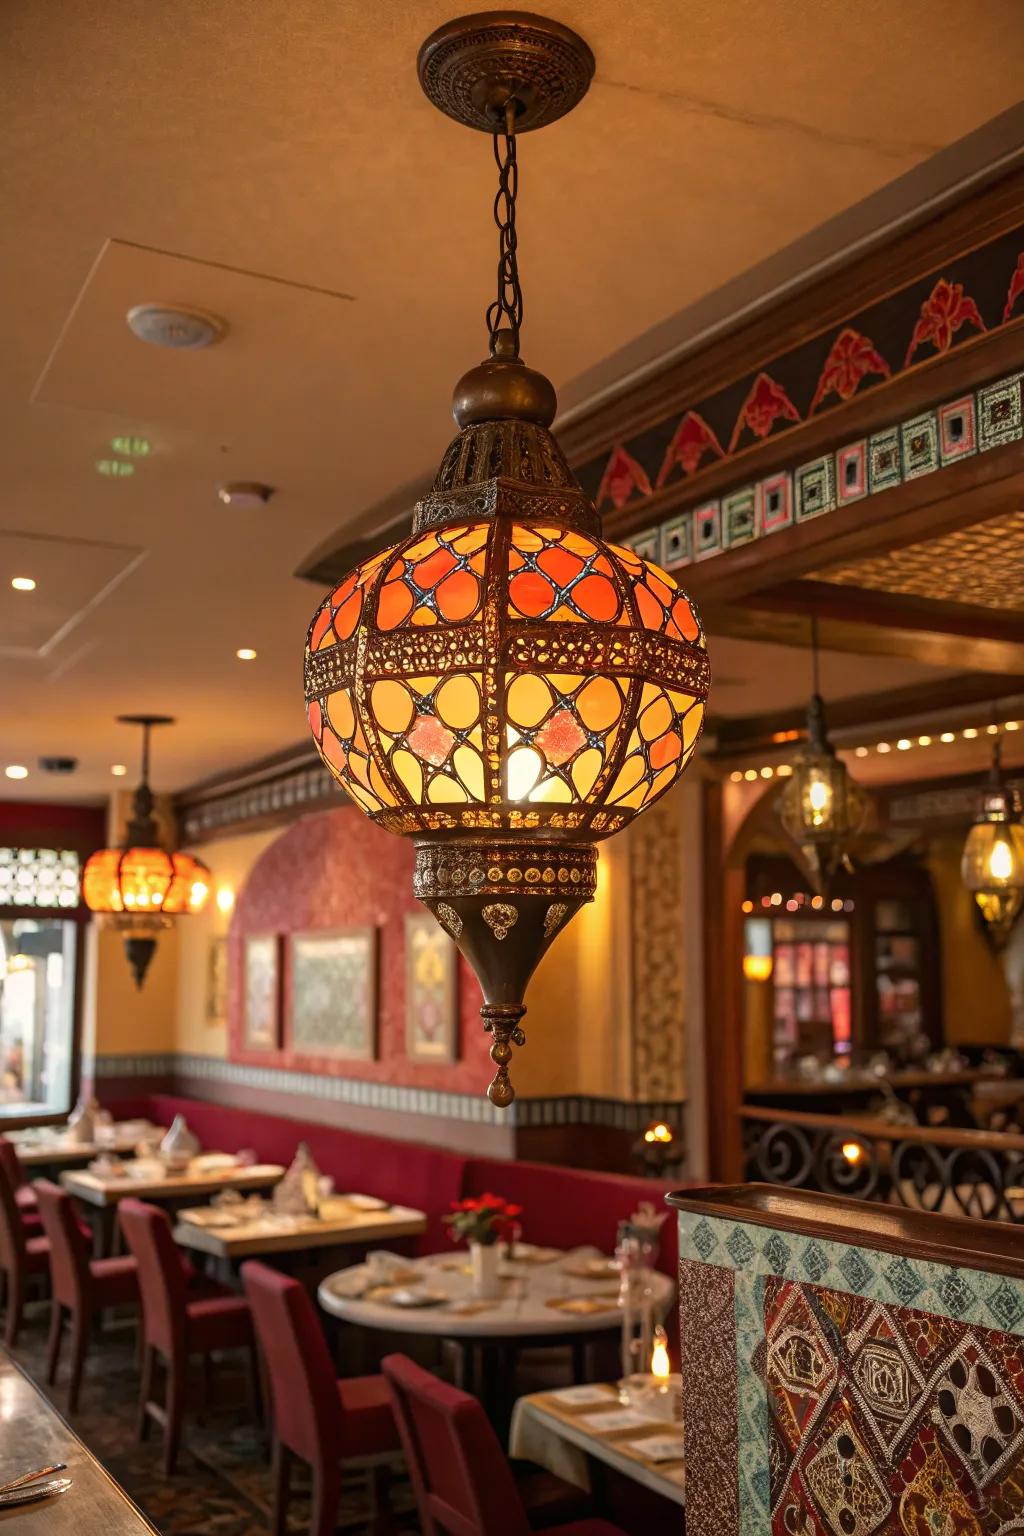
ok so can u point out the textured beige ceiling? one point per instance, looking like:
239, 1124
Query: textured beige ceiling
289, 143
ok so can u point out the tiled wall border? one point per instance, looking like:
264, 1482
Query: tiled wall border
524, 1114
976, 422
753, 1253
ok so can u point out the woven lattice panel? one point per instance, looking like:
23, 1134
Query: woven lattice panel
982, 565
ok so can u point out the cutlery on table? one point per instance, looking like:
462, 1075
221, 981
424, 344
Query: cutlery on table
31, 1477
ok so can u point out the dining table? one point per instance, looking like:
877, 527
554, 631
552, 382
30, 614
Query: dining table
252, 1228
547, 1296
35, 1437
101, 1190
577, 1430
53, 1147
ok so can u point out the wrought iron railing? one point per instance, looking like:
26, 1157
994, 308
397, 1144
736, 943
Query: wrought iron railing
951, 1171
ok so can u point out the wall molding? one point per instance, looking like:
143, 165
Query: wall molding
176, 1068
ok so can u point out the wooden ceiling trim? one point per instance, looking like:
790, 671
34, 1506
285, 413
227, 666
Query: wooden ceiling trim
845, 291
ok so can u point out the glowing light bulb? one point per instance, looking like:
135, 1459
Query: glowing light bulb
524, 769
853, 1152
661, 1368
23, 584
225, 898
1000, 860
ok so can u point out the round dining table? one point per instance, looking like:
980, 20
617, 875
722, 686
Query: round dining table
547, 1297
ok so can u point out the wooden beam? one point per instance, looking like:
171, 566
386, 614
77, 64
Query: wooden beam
934, 648
892, 610
971, 491
943, 697
811, 309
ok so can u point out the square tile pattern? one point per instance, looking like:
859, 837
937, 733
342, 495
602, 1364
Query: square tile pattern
814, 488
964, 1305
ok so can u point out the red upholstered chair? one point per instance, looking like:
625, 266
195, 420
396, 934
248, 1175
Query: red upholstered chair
80, 1286
177, 1321
315, 1416
22, 1255
463, 1483
24, 1195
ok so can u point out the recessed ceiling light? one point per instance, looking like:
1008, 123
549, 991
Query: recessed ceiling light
903, 745
16, 771
970, 733
115, 469
1012, 725
171, 325
924, 741
767, 773
245, 493
883, 746
23, 584
948, 736
992, 730
861, 752
736, 775
118, 770
246, 653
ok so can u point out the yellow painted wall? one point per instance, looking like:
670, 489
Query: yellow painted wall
578, 1003
230, 860
975, 995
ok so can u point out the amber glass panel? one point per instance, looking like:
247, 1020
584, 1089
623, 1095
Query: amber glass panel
561, 576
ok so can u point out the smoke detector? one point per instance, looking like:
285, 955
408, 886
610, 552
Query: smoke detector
245, 493
181, 328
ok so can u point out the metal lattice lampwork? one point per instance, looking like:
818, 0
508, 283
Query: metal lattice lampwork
821, 807
992, 865
139, 887
503, 686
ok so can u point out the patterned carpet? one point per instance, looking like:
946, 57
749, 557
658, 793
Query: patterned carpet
222, 1486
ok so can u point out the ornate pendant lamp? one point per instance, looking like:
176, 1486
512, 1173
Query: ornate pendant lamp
821, 808
139, 887
992, 865
502, 686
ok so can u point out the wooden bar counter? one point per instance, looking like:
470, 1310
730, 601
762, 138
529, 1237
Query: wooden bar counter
32, 1435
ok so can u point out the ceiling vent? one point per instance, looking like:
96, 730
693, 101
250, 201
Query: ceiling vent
170, 325
58, 764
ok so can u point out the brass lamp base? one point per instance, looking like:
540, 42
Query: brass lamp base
503, 903
471, 67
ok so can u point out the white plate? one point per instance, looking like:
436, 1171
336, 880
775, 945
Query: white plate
410, 1298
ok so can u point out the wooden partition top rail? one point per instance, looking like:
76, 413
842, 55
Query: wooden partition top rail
912, 1234
873, 1127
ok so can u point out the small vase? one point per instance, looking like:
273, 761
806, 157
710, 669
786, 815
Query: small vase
486, 1283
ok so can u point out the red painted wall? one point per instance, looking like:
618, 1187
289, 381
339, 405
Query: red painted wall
332, 871
52, 824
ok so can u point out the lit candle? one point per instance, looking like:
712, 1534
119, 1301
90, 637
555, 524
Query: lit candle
660, 1366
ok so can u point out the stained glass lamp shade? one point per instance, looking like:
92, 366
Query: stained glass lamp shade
139, 887
507, 689
992, 865
821, 807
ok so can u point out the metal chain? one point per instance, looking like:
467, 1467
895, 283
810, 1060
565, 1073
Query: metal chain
509, 303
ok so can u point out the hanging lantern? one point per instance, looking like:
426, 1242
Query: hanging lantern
821, 808
139, 887
503, 686
992, 866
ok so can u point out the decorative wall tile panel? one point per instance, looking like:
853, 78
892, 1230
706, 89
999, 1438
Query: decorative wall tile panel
774, 497
676, 542
958, 435
739, 518
814, 488
919, 441
707, 530
851, 472
999, 413
885, 464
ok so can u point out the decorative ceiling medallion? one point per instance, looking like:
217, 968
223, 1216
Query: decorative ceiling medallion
502, 685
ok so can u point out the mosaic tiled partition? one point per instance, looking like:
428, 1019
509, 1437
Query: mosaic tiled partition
842, 1375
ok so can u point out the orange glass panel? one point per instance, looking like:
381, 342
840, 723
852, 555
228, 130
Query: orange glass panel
458, 596
394, 605
340, 715
596, 598
560, 565
347, 616
392, 706
458, 702
190, 885
531, 593
528, 700
315, 718
599, 703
